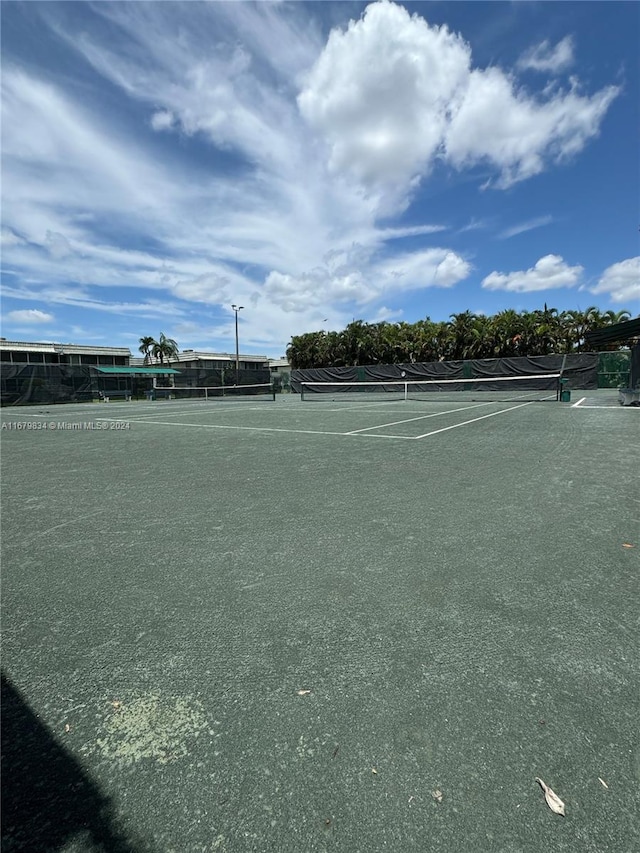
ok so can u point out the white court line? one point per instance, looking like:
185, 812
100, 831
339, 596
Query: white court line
84, 415
419, 418
188, 411
327, 432
323, 432
323, 405
249, 429
473, 420
142, 406
575, 405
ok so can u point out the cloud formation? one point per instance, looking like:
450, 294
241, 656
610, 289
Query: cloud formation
548, 273
621, 281
30, 317
393, 94
523, 227
544, 57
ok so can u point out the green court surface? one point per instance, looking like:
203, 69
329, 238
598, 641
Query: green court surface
290, 627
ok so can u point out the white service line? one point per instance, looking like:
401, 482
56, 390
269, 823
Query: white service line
231, 426
419, 418
473, 420
261, 429
575, 405
177, 413
345, 406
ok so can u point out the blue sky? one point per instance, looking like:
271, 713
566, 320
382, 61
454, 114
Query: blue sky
313, 162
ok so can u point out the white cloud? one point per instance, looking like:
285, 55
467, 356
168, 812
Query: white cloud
543, 57
548, 273
621, 281
30, 317
315, 288
409, 231
163, 120
338, 280
385, 315
58, 245
78, 298
523, 227
9, 238
493, 121
474, 225
379, 93
391, 94
210, 287
417, 270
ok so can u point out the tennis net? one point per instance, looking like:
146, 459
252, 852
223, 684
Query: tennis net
541, 387
253, 393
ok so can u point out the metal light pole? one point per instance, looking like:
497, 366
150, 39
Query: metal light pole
237, 308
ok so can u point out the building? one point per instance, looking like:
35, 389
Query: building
195, 359
280, 373
29, 352
34, 352
34, 371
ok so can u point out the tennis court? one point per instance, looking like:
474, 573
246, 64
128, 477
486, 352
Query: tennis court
340, 625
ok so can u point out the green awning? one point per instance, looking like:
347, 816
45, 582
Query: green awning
144, 371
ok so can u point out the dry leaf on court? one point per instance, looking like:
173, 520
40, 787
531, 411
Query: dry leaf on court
67, 728
437, 796
553, 800
602, 782
627, 545
303, 692
374, 771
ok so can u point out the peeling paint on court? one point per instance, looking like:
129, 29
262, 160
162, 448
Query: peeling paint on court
150, 727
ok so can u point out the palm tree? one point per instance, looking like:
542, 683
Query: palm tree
465, 336
546, 329
462, 327
585, 321
612, 317
164, 348
146, 346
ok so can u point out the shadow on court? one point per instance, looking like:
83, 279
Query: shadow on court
47, 799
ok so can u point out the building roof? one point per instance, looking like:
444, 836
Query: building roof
198, 355
86, 349
62, 349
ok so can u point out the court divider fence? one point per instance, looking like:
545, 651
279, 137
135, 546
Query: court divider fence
579, 369
40, 384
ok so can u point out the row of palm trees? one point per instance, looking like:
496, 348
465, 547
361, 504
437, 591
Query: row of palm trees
466, 335
158, 350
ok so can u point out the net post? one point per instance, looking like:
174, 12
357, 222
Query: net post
560, 379
406, 391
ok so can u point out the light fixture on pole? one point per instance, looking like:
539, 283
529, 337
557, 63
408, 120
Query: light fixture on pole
237, 308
